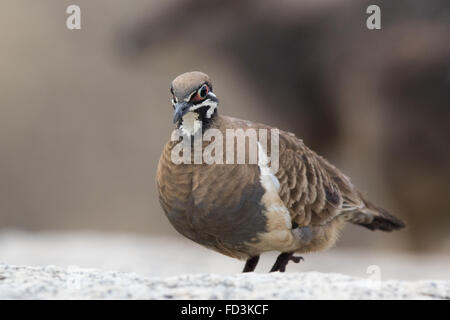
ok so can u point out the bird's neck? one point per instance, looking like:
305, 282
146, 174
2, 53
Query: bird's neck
193, 121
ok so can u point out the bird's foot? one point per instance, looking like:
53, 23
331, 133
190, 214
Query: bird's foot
296, 259
282, 261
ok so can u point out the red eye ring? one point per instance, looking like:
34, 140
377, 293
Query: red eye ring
201, 94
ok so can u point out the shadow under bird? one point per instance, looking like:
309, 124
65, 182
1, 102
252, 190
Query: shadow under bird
243, 210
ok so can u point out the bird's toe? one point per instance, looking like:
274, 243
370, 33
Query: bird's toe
296, 259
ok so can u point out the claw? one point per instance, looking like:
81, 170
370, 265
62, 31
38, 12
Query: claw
296, 259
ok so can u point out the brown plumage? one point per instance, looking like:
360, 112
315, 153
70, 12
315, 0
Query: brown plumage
242, 210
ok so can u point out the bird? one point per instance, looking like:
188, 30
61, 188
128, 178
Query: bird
244, 209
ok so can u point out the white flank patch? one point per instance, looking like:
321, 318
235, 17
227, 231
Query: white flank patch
271, 184
190, 124
268, 179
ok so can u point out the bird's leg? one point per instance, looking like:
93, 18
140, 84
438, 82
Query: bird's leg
282, 261
251, 263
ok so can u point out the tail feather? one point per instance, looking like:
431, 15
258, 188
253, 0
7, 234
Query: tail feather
376, 218
385, 222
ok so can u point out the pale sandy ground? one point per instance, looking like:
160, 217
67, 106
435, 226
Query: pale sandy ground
107, 265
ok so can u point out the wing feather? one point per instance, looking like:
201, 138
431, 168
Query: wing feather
313, 190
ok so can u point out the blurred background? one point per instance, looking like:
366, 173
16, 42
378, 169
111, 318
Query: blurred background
84, 115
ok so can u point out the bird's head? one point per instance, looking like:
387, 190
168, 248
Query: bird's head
193, 99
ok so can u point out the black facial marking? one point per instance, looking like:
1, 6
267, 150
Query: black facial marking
206, 122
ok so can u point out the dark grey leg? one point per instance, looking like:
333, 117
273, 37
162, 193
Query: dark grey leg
251, 263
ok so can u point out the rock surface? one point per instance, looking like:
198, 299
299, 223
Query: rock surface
152, 256
51, 282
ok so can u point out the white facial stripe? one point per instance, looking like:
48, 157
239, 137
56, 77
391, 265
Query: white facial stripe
211, 110
190, 96
212, 106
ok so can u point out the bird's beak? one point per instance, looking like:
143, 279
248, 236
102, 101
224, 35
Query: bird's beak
181, 108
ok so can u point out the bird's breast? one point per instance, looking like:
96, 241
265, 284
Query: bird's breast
218, 206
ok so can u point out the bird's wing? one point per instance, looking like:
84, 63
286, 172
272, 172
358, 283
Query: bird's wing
312, 189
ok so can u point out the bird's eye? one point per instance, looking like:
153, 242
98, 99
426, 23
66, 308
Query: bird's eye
201, 93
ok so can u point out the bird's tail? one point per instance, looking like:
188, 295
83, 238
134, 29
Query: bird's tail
375, 218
